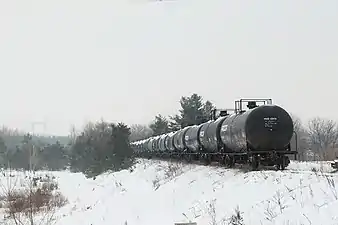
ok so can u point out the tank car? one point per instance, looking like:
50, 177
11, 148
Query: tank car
161, 142
179, 139
261, 134
192, 140
170, 142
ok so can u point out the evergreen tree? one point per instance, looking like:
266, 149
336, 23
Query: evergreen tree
193, 112
53, 156
160, 125
208, 107
3, 153
101, 147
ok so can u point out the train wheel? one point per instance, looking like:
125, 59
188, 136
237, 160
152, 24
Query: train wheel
229, 161
207, 159
255, 162
189, 158
283, 162
222, 160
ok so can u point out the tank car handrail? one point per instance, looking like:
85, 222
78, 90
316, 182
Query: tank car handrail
239, 103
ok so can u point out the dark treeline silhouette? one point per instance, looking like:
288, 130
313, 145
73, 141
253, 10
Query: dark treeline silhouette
99, 147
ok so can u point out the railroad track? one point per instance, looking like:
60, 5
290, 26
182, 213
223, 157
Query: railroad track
245, 168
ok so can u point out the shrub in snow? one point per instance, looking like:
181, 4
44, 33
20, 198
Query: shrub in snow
236, 218
32, 201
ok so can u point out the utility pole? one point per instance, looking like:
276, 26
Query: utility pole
32, 153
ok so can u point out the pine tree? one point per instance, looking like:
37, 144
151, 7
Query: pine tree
193, 112
160, 125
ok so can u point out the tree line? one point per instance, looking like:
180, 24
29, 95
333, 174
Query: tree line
103, 146
99, 147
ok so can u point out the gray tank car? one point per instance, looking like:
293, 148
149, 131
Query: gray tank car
169, 142
179, 139
161, 143
202, 135
192, 141
213, 137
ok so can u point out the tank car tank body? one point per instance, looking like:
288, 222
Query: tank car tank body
263, 133
192, 140
179, 139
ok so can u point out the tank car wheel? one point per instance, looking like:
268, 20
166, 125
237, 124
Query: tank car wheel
207, 159
255, 162
188, 158
222, 161
229, 161
283, 162
282, 165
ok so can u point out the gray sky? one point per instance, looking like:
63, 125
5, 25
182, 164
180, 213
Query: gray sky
129, 60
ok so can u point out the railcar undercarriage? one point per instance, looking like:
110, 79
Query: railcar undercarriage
279, 160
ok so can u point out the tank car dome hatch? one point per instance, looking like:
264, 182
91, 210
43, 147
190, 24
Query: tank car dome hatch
269, 127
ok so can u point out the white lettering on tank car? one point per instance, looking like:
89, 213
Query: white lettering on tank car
224, 128
269, 122
202, 133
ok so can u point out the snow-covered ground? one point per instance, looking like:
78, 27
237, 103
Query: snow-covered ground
165, 193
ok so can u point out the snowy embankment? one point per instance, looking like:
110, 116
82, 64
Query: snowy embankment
165, 193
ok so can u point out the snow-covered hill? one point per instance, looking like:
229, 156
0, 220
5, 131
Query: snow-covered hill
163, 193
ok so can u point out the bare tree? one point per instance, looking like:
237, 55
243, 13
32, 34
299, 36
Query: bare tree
323, 134
297, 123
73, 134
302, 138
139, 132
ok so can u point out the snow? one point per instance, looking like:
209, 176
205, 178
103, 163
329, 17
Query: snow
159, 192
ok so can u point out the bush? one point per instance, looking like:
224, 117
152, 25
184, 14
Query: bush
33, 202
101, 147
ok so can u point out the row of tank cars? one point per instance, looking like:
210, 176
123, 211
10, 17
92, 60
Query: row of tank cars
259, 135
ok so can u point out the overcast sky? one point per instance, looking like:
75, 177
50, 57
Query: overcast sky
67, 62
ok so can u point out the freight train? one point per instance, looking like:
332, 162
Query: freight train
259, 135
